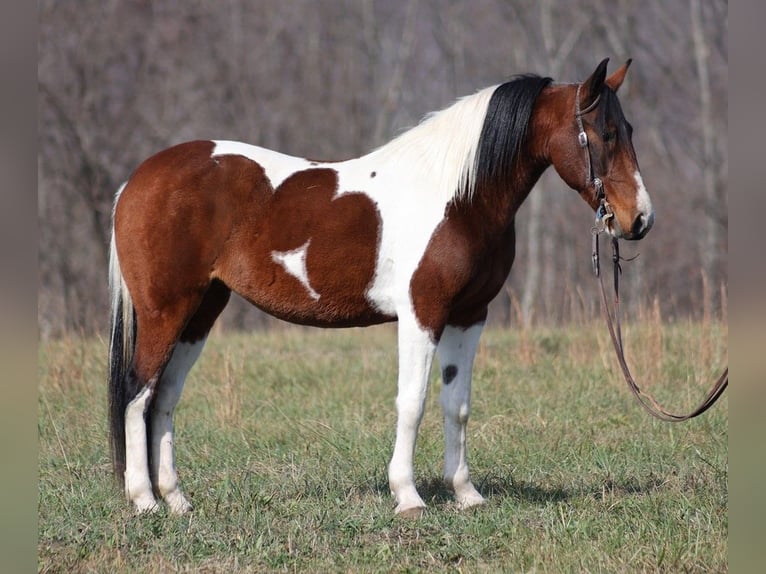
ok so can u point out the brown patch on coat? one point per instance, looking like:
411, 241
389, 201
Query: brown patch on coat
342, 232
459, 274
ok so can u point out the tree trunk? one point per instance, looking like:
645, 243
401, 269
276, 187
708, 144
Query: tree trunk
709, 240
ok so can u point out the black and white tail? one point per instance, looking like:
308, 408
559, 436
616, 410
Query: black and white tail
121, 345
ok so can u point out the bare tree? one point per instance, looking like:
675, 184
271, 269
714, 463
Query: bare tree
710, 239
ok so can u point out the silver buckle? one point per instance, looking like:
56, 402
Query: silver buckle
603, 214
582, 137
598, 186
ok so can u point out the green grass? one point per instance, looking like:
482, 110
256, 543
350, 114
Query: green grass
283, 441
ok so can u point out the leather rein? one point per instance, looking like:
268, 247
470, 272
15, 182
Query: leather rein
603, 214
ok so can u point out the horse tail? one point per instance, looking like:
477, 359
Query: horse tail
121, 345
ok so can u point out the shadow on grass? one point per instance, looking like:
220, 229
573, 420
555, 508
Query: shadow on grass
500, 487
495, 486
433, 490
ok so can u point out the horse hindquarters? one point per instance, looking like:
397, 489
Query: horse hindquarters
161, 282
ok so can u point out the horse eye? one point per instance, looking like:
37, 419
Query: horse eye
608, 136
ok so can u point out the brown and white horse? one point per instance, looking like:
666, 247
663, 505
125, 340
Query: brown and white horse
420, 231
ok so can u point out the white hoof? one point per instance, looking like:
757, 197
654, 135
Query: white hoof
145, 505
177, 503
408, 502
469, 500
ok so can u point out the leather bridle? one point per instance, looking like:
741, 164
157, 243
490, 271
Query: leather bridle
582, 138
603, 214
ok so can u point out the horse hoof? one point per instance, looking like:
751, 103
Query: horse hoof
411, 513
177, 503
146, 507
470, 501
471, 504
181, 509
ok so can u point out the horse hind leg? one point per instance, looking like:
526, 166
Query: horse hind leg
156, 336
154, 345
138, 486
456, 351
164, 477
185, 353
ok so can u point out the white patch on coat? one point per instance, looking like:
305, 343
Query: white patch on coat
643, 202
294, 262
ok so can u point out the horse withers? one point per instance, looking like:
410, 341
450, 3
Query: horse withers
419, 231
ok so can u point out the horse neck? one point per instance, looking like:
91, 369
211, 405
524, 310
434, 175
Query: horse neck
498, 201
495, 204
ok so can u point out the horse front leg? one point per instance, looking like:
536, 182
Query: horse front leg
416, 352
456, 351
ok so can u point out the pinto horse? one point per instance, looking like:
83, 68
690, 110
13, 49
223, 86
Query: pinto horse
419, 231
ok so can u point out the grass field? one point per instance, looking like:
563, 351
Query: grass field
283, 441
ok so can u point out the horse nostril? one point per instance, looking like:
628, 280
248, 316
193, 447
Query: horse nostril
638, 224
639, 227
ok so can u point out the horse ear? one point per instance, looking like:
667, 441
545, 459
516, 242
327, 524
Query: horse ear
615, 80
591, 88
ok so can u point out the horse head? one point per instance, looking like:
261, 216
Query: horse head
592, 150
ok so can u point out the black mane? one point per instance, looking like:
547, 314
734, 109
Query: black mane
505, 127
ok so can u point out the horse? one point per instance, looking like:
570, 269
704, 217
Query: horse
418, 231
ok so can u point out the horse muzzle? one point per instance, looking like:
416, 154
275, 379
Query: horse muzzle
638, 229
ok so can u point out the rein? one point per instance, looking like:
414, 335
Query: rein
603, 214
613, 323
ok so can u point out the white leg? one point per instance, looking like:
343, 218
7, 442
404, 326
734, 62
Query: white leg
161, 418
416, 351
456, 352
138, 486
